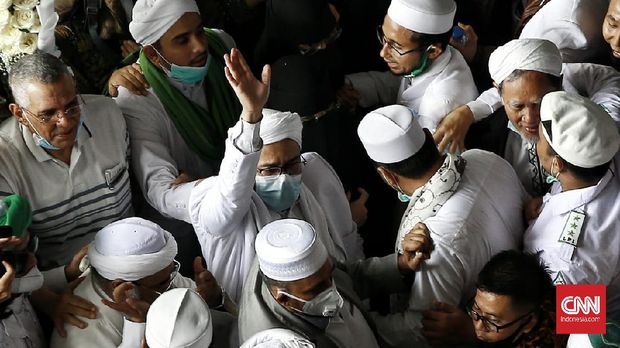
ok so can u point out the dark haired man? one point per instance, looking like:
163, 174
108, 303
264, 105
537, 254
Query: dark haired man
471, 205
427, 75
578, 224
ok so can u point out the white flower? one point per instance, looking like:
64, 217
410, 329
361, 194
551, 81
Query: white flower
9, 36
5, 17
5, 4
36, 26
24, 19
28, 43
25, 4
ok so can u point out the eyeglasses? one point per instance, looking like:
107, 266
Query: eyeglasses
176, 266
486, 323
312, 49
292, 168
383, 41
72, 111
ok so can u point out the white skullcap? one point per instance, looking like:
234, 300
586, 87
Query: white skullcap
179, 318
280, 125
423, 16
391, 134
131, 249
277, 338
583, 133
525, 54
289, 250
151, 19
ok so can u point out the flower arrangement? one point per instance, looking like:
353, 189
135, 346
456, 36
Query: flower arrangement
19, 29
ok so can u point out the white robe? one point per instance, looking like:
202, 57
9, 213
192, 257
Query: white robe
595, 259
227, 213
482, 218
446, 85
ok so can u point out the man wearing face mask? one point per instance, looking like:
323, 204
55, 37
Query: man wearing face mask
19, 326
265, 177
471, 205
578, 223
426, 74
296, 285
178, 127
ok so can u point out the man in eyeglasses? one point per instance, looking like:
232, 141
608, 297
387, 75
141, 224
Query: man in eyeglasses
131, 264
68, 155
427, 75
264, 177
513, 307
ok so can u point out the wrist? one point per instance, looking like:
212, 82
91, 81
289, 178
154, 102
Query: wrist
252, 116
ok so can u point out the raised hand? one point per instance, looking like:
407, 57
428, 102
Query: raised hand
251, 92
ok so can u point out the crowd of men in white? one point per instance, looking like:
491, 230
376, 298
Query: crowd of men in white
283, 264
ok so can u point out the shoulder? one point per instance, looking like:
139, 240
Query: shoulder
318, 170
102, 115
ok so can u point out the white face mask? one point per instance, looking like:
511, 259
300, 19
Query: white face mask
327, 304
29, 282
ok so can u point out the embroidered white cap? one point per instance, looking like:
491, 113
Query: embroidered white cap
277, 338
582, 132
525, 54
391, 134
289, 250
179, 318
423, 16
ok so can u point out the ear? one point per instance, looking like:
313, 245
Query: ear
152, 55
434, 51
17, 112
561, 164
387, 176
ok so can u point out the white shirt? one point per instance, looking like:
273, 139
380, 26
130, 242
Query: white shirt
70, 202
159, 152
482, 218
446, 85
227, 213
572, 25
595, 259
109, 329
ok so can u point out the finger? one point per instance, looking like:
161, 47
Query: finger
363, 195
198, 267
439, 133
8, 276
433, 316
119, 307
266, 75
231, 79
73, 320
81, 303
232, 66
445, 142
59, 325
138, 78
138, 306
137, 67
80, 255
243, 65
454, 147
113, 90
70, 309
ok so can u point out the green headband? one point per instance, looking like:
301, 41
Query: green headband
16, 214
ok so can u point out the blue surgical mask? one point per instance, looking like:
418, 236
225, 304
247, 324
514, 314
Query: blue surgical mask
403, 197
188, 75
44, 143
279, 192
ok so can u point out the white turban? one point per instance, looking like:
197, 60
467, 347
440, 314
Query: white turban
153, 18
280, 125
391, 134
423, 16
289, 250
131, 249
277, 338
582, 132
179, 318
525, 54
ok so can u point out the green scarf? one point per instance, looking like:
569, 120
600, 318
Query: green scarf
203, 130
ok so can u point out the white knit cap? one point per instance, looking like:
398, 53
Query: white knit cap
423, 16
582, 132
279, 125
525, 54
131, 249
277, 338
179, 318
289, 250
391, 134
152, 18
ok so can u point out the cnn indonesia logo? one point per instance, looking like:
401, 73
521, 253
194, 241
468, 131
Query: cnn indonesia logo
580, 308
